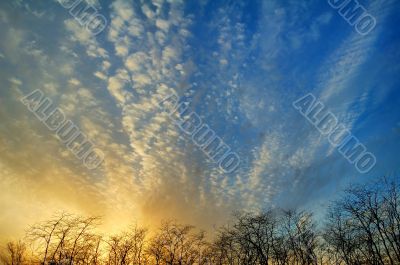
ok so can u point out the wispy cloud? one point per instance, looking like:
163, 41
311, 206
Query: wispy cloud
240, 64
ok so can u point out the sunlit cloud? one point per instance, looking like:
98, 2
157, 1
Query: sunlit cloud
239, 64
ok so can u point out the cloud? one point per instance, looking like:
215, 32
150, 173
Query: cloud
74, 82
15, 81
239, 76
84, 37
100, 75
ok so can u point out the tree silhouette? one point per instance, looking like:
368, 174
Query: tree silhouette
361, 228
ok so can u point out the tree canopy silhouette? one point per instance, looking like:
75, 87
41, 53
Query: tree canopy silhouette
362, 227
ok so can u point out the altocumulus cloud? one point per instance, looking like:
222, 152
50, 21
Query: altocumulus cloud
239, 65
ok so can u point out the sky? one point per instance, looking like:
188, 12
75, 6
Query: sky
239, 64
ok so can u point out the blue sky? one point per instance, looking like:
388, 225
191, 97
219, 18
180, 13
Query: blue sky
240, 64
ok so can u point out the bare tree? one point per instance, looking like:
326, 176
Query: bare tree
14, 254
176, 244
361, 228
254, 234
44, 234
65, 239
302, 238
224, 249
127, 248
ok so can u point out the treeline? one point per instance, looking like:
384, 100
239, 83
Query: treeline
363, 227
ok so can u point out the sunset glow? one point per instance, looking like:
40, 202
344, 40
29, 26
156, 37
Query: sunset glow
192, 110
